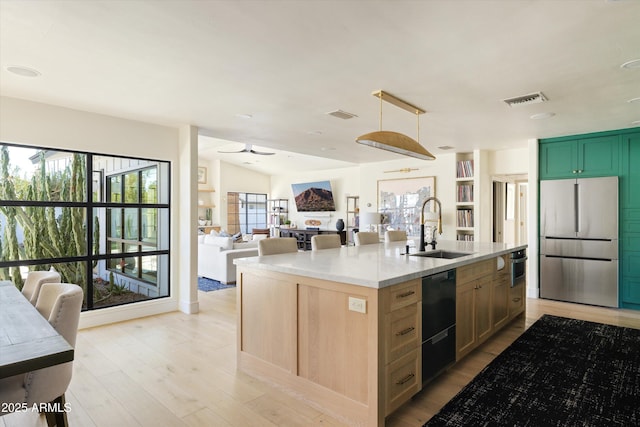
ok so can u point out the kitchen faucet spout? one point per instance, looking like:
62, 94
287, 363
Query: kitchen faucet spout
422, 221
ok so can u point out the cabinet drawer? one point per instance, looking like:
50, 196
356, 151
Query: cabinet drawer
475, 270
402, 295
402, 331
516, 300
403, 378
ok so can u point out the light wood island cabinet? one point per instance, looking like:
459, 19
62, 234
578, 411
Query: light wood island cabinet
356, 350
485, 302
353, 348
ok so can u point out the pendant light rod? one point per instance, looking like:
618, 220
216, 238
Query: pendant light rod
386, 96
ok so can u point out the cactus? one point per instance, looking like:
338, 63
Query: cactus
45, 235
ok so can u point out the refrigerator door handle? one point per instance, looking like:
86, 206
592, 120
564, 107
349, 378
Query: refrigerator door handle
576, 207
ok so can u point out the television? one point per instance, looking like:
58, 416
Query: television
313, 196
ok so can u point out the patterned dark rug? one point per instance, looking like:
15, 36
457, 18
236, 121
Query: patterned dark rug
208, 285
559, 372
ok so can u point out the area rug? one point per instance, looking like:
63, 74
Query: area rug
208, 285
559, 372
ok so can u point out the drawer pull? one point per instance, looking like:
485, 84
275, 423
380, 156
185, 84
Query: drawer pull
406, 379
405, 331
516, 299
406, 294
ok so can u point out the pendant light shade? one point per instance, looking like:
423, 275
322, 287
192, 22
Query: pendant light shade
394, 141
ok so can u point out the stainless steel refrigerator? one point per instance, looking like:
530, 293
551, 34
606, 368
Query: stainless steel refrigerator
579, 240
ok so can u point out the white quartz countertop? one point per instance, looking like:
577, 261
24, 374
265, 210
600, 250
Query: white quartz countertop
377, 265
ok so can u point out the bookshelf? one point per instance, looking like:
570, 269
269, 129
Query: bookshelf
351, 220
278, 211
205, 209
465, 197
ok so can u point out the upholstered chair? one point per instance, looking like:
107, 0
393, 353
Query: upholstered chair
277, 245
260, 231
395, 236
366, 238
60, 304
35, 279
325, 241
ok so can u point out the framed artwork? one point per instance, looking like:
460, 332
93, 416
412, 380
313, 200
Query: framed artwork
202, 175
400, 202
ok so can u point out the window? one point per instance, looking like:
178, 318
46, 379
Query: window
114, 243
133, 229
246, 211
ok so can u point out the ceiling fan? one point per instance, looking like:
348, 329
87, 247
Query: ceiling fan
248, 149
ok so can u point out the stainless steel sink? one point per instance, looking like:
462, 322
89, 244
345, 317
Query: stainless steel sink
442, 254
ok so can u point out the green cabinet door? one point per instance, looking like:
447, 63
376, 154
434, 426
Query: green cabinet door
558, 159
598, 156
630, 222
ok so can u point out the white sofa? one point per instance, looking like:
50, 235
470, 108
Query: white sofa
216, 255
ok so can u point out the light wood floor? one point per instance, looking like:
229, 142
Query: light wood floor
180, 370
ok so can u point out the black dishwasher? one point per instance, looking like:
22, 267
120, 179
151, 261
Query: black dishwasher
438, 323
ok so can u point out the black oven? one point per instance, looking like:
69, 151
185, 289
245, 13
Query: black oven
518, 267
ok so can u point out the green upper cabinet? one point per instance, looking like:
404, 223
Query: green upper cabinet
558, 159
585, 157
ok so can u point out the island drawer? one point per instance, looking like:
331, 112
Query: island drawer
403, 378
402, 295
476, 270
516, 300
402, 331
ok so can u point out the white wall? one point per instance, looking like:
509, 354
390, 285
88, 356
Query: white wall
31, 123
344, 181
232, 178
509, 162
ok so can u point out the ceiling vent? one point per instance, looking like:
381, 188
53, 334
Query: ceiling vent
532, 98
341, 114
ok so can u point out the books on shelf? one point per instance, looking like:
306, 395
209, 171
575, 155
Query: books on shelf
465, 237
465, 169
465, 193
465, 218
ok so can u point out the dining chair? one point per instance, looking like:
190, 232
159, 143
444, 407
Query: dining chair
35, 279
60, 304
366, 238
325, 241
277, 245
395, 236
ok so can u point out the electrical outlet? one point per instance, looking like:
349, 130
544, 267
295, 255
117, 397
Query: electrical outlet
358, 304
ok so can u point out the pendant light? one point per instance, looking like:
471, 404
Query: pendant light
394, 141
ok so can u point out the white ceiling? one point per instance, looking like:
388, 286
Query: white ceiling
288, 63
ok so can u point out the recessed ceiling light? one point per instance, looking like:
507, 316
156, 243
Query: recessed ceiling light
244, 116
314, 132
632, 100
23, 71
446, 147
541, 116
327, 149
633, 64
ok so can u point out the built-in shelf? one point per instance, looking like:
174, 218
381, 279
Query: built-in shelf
205, 205
351, 220
278, 211
465, 197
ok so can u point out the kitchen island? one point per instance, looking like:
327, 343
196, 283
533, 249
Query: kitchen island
341, 328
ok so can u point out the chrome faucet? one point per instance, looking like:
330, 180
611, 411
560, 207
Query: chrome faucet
422, 221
